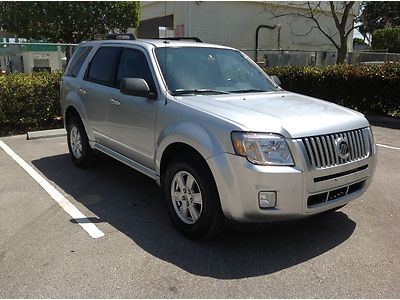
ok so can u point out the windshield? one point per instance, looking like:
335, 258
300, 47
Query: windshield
196, 70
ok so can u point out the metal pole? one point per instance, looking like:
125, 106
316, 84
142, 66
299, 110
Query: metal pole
257, 31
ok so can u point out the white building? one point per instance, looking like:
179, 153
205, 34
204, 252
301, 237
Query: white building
235, 24
28, 58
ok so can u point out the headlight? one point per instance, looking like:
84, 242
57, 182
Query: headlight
262, 148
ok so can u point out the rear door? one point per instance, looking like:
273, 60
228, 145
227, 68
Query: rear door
96, 89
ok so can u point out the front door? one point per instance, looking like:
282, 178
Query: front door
131, 119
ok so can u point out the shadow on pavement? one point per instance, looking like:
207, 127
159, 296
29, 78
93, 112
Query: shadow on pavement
133, 204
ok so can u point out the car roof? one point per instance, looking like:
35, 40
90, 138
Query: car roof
155, 43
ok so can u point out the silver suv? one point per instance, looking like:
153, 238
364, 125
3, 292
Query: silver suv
221, 138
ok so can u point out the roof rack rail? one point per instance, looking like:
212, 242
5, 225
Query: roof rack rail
196, 39
120, 36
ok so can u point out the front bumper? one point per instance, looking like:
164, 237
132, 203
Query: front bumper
298, 195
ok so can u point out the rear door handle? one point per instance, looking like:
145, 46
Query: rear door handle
114, 102
82, 91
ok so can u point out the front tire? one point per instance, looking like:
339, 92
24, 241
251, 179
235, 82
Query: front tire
192, 197
78, 143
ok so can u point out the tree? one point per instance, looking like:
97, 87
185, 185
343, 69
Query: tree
379, 14
340, 11
387, 38
67, 21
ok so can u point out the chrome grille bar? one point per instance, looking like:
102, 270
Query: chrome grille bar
327, 154
316, 153
358, 142
366, 142
322, 153
361, 142
355, 144
350, 139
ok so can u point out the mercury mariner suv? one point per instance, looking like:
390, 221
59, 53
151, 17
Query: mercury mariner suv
220, 137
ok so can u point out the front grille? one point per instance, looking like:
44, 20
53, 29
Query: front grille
322, 151
334, 194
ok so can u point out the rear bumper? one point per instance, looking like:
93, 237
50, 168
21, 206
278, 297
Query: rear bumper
298, 193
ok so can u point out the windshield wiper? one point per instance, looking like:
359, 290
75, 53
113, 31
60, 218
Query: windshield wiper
248, 91
197, 92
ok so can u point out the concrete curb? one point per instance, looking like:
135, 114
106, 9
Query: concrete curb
391, 122
46, 134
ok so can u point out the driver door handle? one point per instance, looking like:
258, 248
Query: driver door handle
114, 102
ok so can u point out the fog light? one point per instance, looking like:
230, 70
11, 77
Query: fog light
267, 199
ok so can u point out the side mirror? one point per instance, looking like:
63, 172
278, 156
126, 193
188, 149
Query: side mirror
276, 80
136, 87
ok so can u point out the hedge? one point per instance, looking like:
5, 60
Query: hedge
370, 89
27, 99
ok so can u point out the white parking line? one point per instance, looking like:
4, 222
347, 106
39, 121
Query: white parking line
389, 147
79, 217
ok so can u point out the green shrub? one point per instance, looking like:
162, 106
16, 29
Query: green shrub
368, 89
29, 98
387, 38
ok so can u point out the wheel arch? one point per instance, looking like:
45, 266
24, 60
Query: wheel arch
183, 138
71, 111
174, 150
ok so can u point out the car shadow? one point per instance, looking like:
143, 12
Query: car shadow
133, 204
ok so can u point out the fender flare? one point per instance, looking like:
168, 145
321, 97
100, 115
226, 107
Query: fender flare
190, 134
78, 106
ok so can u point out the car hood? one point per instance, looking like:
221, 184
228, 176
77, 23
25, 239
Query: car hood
293, 115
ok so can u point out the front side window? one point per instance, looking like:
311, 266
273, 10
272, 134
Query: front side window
210, 69
103, 65
133, 64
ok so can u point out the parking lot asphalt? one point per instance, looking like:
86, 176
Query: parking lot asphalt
44, 253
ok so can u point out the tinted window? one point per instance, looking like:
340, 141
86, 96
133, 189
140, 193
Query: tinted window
102, 66
133, 64
77, 60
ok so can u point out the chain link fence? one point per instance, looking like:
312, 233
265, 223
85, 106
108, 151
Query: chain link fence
276, 58
34, 57
372, 57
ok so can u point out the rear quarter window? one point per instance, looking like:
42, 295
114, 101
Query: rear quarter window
77, 61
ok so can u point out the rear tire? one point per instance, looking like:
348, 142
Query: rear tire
192, 197
78, 143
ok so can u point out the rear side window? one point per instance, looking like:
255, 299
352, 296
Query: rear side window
77, 60
103, 66
133, 64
